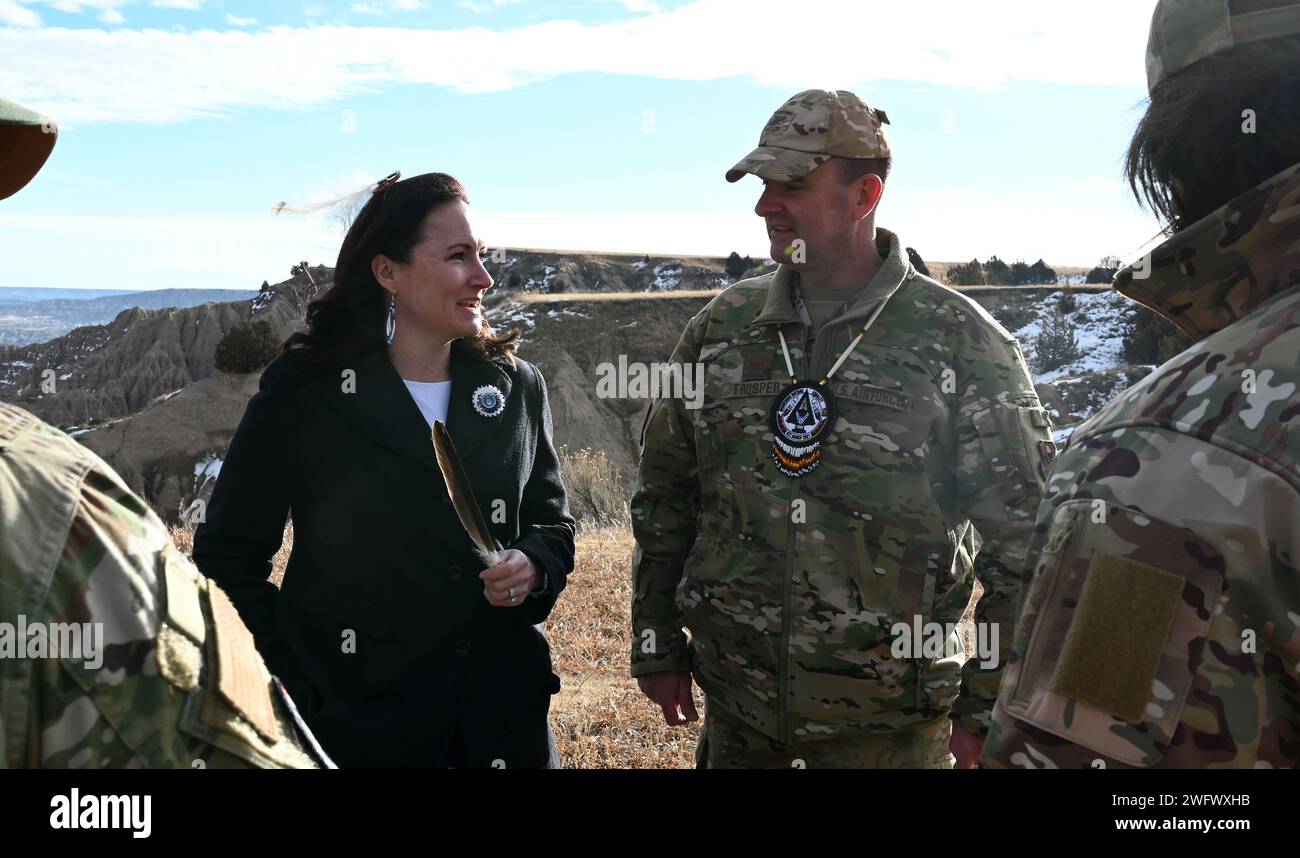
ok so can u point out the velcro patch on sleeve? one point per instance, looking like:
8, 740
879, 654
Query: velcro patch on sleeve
242, 678
1113, 648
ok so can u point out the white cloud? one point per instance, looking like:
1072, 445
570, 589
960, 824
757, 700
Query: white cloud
485, 6
648, 6
15, 11
106, 8
13, 14
168, 76
393, 6
236, 21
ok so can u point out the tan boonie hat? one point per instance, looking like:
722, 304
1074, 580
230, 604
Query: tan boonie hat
26, 140
1186, 31
810, 129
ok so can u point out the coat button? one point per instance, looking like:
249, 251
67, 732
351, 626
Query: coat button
454, 573
461, 648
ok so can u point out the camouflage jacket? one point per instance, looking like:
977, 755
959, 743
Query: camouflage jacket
114, 650
791, 587
1161, 626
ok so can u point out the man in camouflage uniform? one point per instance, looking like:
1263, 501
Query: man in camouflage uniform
114, 650
1161, 624
792, 587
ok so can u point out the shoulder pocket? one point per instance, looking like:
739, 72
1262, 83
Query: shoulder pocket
1118, 613
1012, 436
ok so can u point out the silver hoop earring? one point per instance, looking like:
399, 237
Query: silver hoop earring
390, 325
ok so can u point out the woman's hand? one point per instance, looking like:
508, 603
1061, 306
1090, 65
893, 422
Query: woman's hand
508, 583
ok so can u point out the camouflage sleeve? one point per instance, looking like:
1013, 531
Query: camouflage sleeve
1161, 627
664, 525
141, 689
1004, 449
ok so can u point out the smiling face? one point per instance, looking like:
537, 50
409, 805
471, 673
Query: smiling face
439, 292
819, 208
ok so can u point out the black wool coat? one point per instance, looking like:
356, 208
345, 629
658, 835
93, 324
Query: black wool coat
381, 631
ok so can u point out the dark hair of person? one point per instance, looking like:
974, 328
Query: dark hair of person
853, 169
347, 321
1192, 153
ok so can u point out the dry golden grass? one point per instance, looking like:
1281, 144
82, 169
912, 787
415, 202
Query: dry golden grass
601, 720
595, 490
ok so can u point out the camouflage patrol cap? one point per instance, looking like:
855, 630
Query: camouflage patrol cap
26, 140
810, 129
1186, 31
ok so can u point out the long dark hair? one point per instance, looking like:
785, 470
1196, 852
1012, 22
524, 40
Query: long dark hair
347, 321
1192, 133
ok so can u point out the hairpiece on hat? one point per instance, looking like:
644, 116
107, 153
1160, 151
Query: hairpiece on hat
382, 185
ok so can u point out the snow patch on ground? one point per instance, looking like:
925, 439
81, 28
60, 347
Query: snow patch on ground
511, 313
667, 276
565, 311
206, 470
1099, 320
262, 301
548, 274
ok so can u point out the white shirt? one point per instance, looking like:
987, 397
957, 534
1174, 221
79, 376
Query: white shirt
432, 397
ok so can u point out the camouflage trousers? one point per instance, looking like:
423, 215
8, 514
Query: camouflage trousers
726, 742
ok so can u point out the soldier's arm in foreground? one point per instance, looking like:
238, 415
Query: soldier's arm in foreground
1002, 458
1161, 627
664, 525
145, 690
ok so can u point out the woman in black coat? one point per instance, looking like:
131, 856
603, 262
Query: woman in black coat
399, 647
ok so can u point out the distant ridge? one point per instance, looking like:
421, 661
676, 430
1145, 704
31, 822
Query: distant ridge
35, 321
24, 294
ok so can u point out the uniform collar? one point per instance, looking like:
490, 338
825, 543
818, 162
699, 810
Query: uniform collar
894, 269
1228, 263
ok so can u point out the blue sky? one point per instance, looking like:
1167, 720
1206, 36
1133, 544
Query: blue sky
600, 125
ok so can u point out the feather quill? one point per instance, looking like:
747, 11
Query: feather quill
462, 496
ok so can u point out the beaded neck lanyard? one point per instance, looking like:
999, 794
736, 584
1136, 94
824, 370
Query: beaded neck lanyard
803, 413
